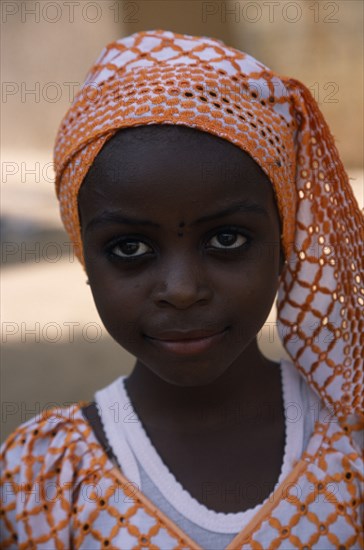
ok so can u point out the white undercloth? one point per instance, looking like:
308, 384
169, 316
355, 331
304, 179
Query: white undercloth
141, 464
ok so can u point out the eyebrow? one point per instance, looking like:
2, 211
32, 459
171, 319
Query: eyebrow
108, 217
248, 207
114, 217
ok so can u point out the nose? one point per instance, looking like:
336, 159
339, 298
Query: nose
182, 283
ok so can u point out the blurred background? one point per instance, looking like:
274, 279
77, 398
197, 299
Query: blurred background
54, 348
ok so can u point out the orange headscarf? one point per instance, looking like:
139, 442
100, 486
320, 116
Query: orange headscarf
161, 77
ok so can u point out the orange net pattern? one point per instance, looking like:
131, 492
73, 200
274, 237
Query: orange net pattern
161, 77
61, 491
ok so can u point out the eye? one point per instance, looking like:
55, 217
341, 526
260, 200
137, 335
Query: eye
128, 248
228, 239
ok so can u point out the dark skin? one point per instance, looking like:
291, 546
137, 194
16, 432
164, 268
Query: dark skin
215, 417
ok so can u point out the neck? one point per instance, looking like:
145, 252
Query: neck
250, 387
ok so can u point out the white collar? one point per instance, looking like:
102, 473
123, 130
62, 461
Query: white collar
128, 439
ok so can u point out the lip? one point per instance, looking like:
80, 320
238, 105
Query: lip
187, 343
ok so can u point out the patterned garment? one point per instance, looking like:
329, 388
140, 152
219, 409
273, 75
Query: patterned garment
61, 491
161, 77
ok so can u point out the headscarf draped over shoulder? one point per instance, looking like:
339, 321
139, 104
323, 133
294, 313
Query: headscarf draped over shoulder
161, 77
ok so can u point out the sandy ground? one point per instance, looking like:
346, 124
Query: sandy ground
54, 347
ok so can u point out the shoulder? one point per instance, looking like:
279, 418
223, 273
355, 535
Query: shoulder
42, 461
54, 440
45, 443
346, 436
52, 432
335, 457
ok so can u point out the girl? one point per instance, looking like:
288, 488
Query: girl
195, 183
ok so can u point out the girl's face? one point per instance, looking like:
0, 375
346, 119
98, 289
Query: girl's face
181, 235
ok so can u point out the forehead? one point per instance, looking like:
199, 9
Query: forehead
172, 164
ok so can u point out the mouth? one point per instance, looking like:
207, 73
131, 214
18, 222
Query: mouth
187, 343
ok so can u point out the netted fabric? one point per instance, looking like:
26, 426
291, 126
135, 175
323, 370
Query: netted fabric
61, 491
161, 77
165, 78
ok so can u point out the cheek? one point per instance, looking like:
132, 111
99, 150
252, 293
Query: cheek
120, 305
251, 290
120, 321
